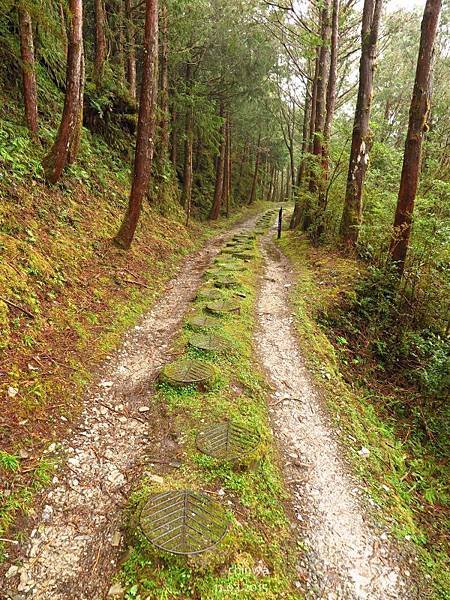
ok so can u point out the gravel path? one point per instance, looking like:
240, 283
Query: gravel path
74, 547
346, 557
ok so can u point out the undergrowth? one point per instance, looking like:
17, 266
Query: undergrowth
384, 387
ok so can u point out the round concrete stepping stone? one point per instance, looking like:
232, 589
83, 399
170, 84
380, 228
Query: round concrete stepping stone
202, 321
223, 306
227, 441
183, 522
209, 342
188, 371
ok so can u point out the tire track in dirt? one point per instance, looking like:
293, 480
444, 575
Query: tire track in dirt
75, 544
346, 557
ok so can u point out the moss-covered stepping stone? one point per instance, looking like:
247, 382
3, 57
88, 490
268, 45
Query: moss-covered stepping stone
223, 306
209, 295
202, 321
209, 342
183, 522
227, 441
225, 282
188, 371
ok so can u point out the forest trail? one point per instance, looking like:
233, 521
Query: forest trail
75, 544
346, 556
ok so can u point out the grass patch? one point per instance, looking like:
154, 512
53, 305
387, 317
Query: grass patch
256, 559
397, 471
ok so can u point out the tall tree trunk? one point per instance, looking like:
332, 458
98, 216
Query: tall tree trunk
330, 106
296, 215
145, 129
227, 169
275, 196
174, 139
243, 162
220, 169
252, 196
28, 70
186, 197
56, 159
418, 117
75, 139
322, 79
121, 42
281, 192
361, 137
131, 54
100, 42
309, 174
65, 39
164, 88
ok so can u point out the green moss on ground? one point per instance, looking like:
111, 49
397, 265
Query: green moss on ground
396, 472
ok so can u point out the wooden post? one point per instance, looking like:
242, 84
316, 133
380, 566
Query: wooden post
280, 222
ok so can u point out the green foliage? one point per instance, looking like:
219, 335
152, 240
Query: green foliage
9, 462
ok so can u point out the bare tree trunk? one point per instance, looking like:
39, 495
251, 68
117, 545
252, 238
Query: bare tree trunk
252, 197
218, 189
28, 70
56, 159
361, 137
418, 117
186, 197
100, 42
131, 54
145, 129
164, 89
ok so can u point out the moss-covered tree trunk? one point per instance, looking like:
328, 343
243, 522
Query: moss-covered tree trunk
418, 116
28, 70
145, 129
56, 159
361, 138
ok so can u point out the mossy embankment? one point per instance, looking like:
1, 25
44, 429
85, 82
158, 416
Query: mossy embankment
402, 465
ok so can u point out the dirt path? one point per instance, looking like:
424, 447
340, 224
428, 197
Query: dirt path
346, 557
74, 547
